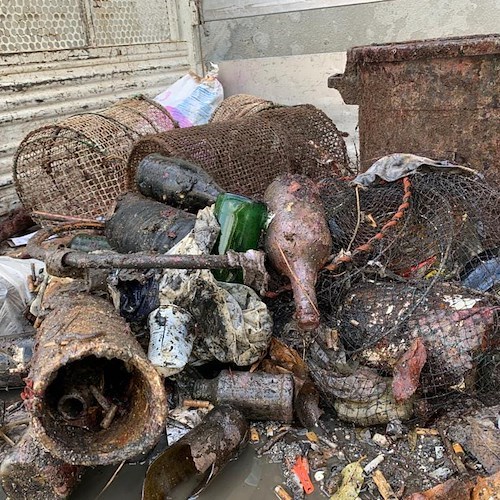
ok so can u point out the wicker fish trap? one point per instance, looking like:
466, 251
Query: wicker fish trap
240, 105
245, 155
77, 166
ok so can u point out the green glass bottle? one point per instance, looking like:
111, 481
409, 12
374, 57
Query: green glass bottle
241, 221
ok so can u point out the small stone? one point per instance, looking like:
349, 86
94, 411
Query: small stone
395, 428
341, 455
347, 437
381, 440
431, 460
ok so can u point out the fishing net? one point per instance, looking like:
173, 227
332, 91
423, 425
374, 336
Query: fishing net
77, 166
245, 155
411, 297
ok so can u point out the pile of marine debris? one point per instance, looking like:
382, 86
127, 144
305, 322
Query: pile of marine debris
347, 327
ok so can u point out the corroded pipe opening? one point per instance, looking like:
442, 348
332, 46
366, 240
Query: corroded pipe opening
94, 396
71, 406
76, 418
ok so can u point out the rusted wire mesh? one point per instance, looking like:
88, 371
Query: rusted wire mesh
77, 166
245, 155
240, 105
417, 311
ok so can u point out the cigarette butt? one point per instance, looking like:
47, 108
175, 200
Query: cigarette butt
383, 486
457, 448
281, 493
254, 435
422, 431
195, 403
371, 466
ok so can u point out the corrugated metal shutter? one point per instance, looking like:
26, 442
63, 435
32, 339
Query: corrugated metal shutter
59, 57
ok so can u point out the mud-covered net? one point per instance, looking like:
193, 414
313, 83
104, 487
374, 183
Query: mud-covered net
245, 155
411, 297
77, 166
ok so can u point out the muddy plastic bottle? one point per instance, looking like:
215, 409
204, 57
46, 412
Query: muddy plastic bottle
241, 222
261, 396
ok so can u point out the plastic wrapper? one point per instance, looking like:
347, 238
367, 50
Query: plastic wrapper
234, 324
192, 100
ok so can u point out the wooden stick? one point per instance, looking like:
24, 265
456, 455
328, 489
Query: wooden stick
455, 459
7, 439
61, 217
265, 448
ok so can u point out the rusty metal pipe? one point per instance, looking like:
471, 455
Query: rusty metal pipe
72, 406
140, 260
28, 471
82, 342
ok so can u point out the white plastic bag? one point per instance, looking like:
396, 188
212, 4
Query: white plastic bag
192, 100
14, 294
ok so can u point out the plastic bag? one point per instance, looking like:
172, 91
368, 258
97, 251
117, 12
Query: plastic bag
15, 295
192, 100
234, 324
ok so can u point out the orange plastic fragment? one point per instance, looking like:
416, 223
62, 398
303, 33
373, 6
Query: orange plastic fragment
301, 470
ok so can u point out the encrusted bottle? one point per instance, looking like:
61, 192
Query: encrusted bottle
261, 396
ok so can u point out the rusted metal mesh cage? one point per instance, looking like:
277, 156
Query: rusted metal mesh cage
245, 155
77, 166
412, 296
240, 105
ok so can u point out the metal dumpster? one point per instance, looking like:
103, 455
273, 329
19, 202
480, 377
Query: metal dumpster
437, 98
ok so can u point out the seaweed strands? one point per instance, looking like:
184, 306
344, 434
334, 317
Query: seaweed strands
94, 397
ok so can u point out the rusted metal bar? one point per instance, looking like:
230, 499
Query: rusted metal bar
139, 260
84, 342
63, 218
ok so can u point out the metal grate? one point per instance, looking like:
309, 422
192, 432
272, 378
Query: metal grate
27, 26
124, 22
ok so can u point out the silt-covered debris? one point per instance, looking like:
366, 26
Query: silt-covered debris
347, 328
